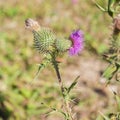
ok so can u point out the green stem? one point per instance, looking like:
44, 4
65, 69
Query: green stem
67, 107
55, 64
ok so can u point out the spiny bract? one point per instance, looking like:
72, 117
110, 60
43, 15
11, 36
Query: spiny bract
62, 45
44, 40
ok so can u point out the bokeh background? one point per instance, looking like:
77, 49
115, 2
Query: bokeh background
20, 95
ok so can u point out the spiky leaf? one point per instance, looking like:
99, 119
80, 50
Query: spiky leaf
44, 63
73, 84
110, 11
109, 72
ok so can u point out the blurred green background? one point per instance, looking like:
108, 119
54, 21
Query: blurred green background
20, 95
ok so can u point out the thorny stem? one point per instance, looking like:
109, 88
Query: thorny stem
67, 106
58, 75
68, 109
54, 62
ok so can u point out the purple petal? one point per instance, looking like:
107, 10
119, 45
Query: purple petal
77, 39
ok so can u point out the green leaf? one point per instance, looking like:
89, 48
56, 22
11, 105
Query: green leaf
117, 100
44, 63
110, 4
73, 84
104, 116
100, 7
25, 92
109, 72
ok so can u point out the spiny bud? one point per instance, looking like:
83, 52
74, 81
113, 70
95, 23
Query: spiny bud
44, 38
62, 44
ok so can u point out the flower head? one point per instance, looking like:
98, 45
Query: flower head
32, 25
44, 38
74, 1
77, 42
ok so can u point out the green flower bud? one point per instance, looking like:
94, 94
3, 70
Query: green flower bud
44, 40
62, 44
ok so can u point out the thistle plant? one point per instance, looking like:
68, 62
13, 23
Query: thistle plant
48, 44
113, 54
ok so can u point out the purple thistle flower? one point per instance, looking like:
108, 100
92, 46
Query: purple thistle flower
74, 1
77, 42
